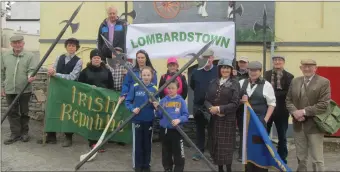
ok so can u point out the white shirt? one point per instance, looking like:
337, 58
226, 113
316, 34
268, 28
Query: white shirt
309, 79
268, 92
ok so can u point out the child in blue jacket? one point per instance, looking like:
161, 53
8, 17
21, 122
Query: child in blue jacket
142, 123
142, 60
172, 141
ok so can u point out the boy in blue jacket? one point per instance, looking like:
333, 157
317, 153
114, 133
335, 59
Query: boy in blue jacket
172, 141
142, 123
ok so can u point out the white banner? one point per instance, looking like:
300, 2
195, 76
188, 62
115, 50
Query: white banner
163, 40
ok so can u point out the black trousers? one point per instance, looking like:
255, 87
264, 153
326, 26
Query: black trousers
201, 125
18, 120
172, 150
280, 118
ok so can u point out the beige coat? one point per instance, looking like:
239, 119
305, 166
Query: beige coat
318, 94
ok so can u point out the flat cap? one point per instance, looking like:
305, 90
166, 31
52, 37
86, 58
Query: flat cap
308, 62
244, 59
208, 52
119, 49
278, 56
255, 65
16, 38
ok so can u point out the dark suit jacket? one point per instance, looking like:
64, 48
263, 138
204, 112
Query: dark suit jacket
318, 92
118, 38
280, 94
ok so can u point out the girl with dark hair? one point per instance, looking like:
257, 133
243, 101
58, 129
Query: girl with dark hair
222, 100
142, 60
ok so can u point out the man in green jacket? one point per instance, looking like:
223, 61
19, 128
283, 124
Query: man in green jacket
17, 66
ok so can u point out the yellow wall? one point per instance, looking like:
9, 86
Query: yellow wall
294, 22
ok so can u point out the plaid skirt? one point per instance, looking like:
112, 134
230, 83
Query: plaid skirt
222, 133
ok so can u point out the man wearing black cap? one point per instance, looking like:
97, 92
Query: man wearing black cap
66, 66
260, 95
17, 66
280, 80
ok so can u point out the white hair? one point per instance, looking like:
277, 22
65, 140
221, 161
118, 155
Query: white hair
111, 7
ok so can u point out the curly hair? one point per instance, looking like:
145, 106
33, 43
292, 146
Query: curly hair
73, 41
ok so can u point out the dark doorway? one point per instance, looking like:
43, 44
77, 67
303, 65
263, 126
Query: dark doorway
190, 92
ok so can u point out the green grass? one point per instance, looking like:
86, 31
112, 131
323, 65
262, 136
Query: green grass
248, 35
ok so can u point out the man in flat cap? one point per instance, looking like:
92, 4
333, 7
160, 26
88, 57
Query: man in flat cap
280, 80
199, 83
260, 95
17, 67
307, 96
241, 72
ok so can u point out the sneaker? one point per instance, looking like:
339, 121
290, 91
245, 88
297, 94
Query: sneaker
196, 157
12, 139
101, 150
25, 138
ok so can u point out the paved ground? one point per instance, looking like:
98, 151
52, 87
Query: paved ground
33, 157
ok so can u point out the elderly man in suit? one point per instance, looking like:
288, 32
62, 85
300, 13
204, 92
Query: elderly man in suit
308, 96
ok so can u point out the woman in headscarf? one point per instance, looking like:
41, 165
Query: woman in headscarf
222, 100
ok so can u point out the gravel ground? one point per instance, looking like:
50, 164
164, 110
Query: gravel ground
33, 157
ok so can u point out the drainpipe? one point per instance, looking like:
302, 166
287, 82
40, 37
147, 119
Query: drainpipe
272, 51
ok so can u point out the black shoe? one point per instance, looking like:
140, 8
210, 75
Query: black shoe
12, 139
168, 170
138, 170
67, 142
121, 144
25, 138
146, 169
49, 140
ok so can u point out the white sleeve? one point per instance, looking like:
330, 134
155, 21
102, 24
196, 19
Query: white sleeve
269, 94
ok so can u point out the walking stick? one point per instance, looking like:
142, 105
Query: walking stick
102, 136
127, 120
10, 107
150, 95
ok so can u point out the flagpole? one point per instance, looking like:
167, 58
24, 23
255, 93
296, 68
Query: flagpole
244, 136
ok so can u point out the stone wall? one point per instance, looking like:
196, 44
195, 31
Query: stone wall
38, 99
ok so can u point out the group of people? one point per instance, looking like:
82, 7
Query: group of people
219, 94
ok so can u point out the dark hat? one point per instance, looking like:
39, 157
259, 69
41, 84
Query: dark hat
255, 65
308, 62
16, 38
94, 52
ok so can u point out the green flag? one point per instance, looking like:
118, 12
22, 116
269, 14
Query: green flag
83, 109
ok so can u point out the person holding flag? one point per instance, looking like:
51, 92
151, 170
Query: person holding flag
261, 97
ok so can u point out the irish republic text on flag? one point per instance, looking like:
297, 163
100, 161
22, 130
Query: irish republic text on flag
257, 147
